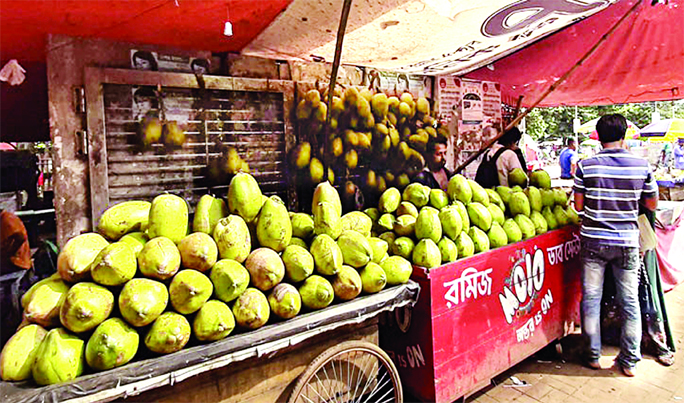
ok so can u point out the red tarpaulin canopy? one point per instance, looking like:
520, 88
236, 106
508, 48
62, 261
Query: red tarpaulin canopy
643, 60
196, 25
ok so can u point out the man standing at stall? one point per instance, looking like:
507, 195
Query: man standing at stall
505, 156
568, 159
609, 188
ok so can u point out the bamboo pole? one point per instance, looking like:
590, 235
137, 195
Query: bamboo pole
552, 87
346, 7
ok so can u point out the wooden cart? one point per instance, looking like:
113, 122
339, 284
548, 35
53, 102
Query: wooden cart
300, 360
478, 317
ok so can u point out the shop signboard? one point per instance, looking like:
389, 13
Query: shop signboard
480, 316
428, 37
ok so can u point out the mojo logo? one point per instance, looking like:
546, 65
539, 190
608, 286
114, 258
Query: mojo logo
524, 13
527, 277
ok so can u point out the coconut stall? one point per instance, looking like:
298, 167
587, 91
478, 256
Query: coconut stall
244, 220
150, 159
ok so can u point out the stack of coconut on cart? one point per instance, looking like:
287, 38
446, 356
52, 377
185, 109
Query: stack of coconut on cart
143, 283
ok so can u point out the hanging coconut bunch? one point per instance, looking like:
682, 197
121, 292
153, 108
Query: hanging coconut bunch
374, 139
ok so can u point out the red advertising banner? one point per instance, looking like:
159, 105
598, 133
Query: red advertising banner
478, 317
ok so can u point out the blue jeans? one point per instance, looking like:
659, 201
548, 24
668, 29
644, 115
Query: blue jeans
625, 264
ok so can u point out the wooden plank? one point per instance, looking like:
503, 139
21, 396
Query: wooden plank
196, 147
134, 168
268, 379
70, 175
183, 80
273, 160
166, 178
97, 148
123, 194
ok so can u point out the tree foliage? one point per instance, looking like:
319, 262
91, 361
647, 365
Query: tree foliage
553, 123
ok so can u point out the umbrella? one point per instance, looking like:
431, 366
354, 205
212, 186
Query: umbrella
665, 130
590, 127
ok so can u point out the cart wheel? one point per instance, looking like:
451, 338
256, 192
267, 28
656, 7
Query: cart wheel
353, 371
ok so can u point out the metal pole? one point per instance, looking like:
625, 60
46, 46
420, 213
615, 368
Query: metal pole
346, 7
552, 87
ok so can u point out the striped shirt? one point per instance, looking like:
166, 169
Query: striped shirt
613, 181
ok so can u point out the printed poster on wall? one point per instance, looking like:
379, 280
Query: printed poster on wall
467, 107
449, 97
417, 85
153, 61
146, 102
471, 102
471, 116
491, 103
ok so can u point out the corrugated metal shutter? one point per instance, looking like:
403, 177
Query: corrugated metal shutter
251, 121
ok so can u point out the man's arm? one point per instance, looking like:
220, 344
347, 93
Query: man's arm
573, 163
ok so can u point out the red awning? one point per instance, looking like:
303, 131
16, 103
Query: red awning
196, 25
643, 60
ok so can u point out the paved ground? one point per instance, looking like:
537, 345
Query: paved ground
554, 378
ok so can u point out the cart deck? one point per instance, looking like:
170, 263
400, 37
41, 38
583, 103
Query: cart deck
345, 321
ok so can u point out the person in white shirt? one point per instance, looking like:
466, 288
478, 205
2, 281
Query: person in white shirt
509, 159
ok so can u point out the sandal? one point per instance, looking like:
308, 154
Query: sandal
666, 359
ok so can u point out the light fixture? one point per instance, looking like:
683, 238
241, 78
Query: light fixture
228, 29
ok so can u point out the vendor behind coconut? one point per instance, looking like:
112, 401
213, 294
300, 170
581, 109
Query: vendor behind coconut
435, 174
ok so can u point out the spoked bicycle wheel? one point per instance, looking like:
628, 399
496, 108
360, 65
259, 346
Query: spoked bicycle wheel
351, 372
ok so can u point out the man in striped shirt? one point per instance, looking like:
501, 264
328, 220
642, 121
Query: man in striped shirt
609, 188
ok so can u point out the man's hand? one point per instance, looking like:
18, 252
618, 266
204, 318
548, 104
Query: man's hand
651, 203
579, 201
